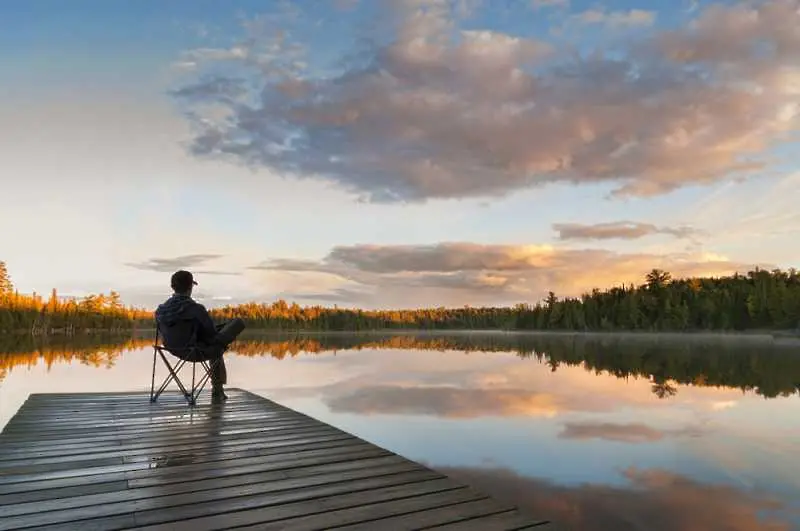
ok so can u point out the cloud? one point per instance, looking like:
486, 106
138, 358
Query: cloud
480, 384
470, 273
616, 19
453, 402
184, 65
652, 500
217, 87
628, 433
542, 4
334, 296
433, 111
189, 261
512, 390
627, 230
722, 405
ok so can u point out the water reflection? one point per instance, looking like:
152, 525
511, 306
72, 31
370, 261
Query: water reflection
595, 432
653, 500
767, 368
25, 350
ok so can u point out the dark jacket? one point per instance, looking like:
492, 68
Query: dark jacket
183, 322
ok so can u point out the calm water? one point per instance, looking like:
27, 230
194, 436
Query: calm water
595, 433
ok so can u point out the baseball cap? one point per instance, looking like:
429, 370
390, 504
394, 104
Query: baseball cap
182, 280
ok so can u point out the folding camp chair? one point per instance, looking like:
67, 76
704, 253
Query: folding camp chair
183, 356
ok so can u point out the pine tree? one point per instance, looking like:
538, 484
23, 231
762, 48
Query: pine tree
6, 287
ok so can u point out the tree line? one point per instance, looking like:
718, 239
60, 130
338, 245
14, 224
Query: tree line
757, 300
765, 300
35, 314
769, 370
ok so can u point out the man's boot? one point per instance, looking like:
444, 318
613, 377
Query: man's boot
218, 394
218, 378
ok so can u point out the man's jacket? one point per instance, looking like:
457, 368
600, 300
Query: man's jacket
182, 322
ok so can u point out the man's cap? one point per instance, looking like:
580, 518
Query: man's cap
182, 280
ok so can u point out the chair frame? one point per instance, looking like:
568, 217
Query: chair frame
190, 394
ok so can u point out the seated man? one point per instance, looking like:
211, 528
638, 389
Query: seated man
184, 323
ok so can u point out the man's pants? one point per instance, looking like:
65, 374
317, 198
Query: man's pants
226, 334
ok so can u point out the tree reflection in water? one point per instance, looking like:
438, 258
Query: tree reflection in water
765, 368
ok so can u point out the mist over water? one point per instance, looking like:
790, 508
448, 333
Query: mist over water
596, 432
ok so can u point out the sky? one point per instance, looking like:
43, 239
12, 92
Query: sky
395, 153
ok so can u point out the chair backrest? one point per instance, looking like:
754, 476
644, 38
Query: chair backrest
180, 336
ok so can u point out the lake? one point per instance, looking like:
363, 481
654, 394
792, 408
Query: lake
595, 432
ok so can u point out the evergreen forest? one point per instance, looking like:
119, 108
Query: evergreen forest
758, 300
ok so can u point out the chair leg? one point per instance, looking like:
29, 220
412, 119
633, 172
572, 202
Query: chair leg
165, 383
192, 401
153, 397
193, 393
198, 387
173, 375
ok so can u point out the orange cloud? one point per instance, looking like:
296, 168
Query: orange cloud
455, 402
457, 273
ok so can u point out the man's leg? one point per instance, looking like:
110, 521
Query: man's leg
228, 332
219, 377
219, 373
213, 354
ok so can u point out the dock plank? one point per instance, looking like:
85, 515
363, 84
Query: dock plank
509, 521
281, 452
56, 488
373, 514
481, 508
116, 461
164, 446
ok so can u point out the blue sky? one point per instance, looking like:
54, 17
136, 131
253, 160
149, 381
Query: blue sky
433, 146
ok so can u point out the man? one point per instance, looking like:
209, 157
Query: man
183, 323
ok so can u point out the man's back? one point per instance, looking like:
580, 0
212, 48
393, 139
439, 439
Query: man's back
183, 322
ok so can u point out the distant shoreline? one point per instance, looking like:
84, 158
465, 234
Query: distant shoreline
754, 336
758, 336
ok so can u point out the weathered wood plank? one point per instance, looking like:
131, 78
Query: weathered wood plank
144, 444
71, 487
158, 508
58, 467
373, 514
202, 460
69, 417
510, 521
100, 424
290, 504
150, 452
142, 407
124, 434
153, 476
9, 451
353, 454
433, 516
83, 489
305, 513
376, 467
116, 461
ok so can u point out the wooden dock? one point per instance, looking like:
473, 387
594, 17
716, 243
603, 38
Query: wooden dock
115, 461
